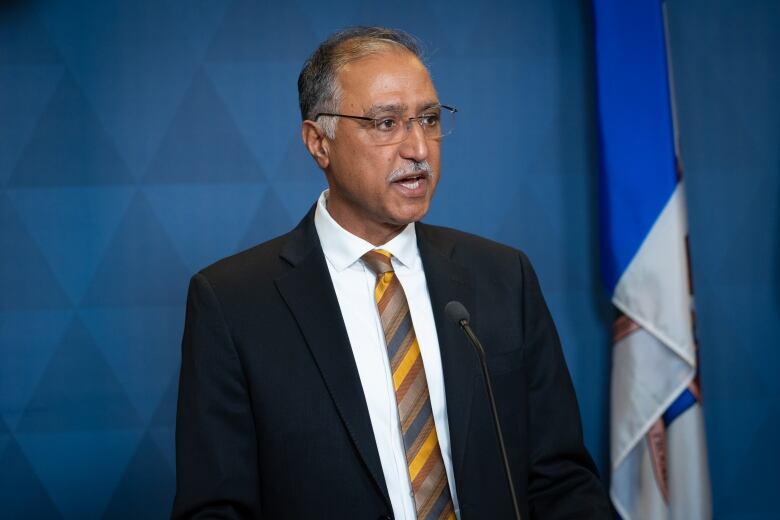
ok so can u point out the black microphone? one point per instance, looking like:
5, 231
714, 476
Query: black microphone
458, 314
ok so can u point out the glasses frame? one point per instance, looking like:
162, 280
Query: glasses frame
377, 120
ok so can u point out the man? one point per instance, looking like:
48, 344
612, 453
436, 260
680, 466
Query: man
320, 377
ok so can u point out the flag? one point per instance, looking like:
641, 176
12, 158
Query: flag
657, 446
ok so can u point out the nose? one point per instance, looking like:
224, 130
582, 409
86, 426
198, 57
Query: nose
415, 146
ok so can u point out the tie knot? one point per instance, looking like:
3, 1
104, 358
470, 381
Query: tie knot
378, 261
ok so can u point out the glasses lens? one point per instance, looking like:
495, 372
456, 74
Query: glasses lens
392, 130
388, 130
446, 123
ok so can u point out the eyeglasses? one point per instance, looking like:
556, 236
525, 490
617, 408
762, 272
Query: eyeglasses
437, 122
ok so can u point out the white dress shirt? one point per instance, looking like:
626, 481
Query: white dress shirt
354, 284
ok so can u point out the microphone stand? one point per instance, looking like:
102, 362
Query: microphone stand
464, 324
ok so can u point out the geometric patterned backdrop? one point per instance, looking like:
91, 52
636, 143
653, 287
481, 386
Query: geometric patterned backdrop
140, 141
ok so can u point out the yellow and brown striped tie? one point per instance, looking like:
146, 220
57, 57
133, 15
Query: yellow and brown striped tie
423, 456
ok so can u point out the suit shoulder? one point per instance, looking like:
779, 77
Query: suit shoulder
494, 262
260, 261
471, 245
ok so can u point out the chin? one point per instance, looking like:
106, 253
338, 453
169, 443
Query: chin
413, 216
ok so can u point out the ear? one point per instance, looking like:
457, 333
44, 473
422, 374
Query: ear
316, 142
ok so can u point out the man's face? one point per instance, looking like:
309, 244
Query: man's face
367, 196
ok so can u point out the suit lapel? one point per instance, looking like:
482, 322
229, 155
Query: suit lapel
308, 291
449, 281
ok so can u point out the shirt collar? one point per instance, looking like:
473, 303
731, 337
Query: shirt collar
342, 248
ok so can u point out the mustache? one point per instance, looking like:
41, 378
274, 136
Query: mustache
411, 168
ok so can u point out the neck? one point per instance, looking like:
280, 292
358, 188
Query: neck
376, 235
372, 232
379, 238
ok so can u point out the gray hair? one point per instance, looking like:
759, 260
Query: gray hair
318, 89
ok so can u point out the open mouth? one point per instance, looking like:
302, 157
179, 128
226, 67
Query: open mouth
412, 182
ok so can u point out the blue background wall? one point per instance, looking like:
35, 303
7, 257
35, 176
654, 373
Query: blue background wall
140, 141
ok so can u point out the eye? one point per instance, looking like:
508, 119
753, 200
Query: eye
430, 120
386, 124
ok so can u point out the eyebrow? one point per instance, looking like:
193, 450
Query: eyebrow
397, 108
429, 104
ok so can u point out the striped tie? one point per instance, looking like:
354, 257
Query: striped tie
423, 456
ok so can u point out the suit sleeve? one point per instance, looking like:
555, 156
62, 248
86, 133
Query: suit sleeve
563, 481
216, 447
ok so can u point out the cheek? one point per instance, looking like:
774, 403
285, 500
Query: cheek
436, 178
434, 156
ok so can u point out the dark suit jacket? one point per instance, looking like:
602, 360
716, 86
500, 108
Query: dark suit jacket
272, 421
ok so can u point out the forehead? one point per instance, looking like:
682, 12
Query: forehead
392, 77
